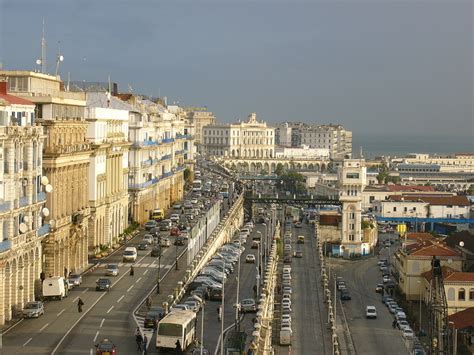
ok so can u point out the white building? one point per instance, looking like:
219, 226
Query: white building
108, 170
332, 137
22, 200
302, 152
251, 139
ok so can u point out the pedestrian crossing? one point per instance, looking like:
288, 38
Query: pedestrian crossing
140, 265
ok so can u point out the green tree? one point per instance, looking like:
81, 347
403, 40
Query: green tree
280, 169
187, 175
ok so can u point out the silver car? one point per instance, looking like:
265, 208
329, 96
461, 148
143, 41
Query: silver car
112, 270
33, 309
248, 305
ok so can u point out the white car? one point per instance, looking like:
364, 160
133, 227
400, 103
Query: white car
285, 323
370, 312
286, 302
250, 258
286, 277
148, 238
286, 317
386, 279
407, 333
174, 217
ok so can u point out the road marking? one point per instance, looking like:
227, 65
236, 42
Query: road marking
121, 298
144, 273
26, 343
144, 265
62, 311
96, 335
138, 280
102, 323
91, 352
43, 327
110, 309
129, 288
75, 299
85, 290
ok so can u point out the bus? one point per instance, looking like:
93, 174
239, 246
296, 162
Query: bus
197, 185
177, 325
225, 191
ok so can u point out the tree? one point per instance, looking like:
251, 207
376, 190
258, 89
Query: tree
187, 175
280, 169
263, 172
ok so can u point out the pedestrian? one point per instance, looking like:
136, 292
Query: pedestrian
394, 323
132, 271
178, 350
155, 325
148, 302
80, 303
145, 343
139, 340
255, 290
65, 272
219, 313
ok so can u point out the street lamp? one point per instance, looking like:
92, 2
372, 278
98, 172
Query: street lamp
159, 273
176, 263
454, 333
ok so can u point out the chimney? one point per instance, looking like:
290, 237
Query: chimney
3, 85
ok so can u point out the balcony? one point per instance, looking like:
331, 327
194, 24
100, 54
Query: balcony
184, 136
167, 140
143, 185
44, 229
166, 157
166, 175
6, 206
148, 143
5, 245
23, 201
179, 152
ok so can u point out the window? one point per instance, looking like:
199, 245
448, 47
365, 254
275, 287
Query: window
451, 294
461, 294
394, 209
471, 294
405, 209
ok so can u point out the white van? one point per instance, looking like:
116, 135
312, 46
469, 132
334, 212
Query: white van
54, 287
285, 336
130, 254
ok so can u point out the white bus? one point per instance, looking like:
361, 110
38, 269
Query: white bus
197, 185
177, 325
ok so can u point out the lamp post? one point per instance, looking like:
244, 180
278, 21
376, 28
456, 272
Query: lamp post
454, 334
176, 263
258, 270
237, 305
159, 273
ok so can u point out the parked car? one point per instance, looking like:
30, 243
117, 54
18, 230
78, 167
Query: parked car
174, 217
255, 244
407, 333
112, 270
103, 285
345, 295
33, 309
298, 254
165, 242
155, 252
179, 241
379, 288
143, 246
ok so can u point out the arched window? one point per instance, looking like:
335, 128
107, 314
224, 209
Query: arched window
451, 294
461, 294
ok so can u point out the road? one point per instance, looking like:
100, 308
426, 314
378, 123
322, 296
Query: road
370, 336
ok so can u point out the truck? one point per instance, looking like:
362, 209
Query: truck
55, 287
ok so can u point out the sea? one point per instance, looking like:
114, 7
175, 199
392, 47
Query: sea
398, 146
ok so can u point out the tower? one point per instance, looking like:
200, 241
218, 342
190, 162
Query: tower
352, 178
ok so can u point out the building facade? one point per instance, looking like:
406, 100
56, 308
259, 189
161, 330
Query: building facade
199, 118
65, 163
22, 203
107, 133
250, 139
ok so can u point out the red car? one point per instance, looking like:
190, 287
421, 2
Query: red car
106, 347
174, 232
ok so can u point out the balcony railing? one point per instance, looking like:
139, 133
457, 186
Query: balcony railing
167, 140
179, 152
44, 229
5, 206
168, 174
5, 245
184, 136
23, 201
147, 143
143, 185
166, 157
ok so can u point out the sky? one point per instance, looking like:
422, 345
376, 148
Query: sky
377, 67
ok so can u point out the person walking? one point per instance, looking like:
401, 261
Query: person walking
219, 313
145, 343
139, 340
132, 271
80, 303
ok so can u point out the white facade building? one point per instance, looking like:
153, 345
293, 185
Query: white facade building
251, 139
302, 152
22, 201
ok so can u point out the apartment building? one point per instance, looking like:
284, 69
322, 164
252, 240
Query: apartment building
107, 132
250, 139
66, 155
22, 202
198, 118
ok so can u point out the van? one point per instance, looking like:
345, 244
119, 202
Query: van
55, 287
158, 214
130, 254
285, 336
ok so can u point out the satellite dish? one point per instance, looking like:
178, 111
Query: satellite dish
44, 180
52, 223
23, 227
45, 212
38, 61
61, 58
49, 188
26, 219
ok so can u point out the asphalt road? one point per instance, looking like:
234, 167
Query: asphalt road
370, 336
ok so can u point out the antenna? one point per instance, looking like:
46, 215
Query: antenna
59, 58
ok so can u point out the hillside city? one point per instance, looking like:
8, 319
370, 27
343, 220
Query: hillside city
132, 225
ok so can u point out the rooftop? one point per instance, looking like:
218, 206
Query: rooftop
430, 248
463, 319
451, 276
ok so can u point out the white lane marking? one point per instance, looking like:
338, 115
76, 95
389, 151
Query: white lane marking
129, 288
144, 272
144, 265
110, 309
102, 323
26, 343
75, 299
121, 298
43, 327
96, 335
85, 290
91, 352
62, 311
138, 280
